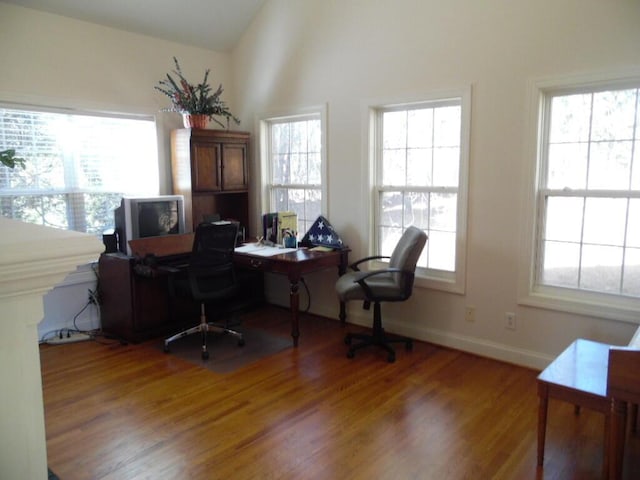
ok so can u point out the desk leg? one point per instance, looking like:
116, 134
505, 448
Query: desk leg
342, 268
294, 305
543, 394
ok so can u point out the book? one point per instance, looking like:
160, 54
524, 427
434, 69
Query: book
287, 226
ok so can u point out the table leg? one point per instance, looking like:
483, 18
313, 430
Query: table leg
294, 305
616, 438
543, 394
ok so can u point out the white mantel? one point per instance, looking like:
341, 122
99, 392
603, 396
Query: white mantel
33, 259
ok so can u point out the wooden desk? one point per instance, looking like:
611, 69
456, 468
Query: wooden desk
292, 264
578, 376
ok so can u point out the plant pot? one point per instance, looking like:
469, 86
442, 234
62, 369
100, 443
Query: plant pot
195, 121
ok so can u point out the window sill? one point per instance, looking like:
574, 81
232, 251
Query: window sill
622, 309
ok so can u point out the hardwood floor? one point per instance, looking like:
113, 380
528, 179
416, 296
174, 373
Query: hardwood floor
133, 412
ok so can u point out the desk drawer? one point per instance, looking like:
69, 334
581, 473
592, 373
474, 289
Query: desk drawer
256, 263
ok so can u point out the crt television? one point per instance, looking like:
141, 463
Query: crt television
140, 217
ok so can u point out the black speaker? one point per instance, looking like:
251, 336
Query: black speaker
110, 241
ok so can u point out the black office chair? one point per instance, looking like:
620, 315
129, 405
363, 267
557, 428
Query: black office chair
392, 284
209, 279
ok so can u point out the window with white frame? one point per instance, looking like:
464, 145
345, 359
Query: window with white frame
77, 166
293, 148
587, 232
421, 164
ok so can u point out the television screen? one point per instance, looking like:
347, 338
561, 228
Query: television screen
158, 218
140, 217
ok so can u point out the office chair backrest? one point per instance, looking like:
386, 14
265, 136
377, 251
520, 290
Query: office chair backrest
211, 272
406, 254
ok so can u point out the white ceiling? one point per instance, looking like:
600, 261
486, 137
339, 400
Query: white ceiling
212, 24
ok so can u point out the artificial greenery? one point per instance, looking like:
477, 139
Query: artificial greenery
199, 99
9, 159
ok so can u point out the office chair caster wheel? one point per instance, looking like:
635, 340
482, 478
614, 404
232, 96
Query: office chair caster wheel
166, 349
391, 358
350, 354
347, 339
241, 342
205, 355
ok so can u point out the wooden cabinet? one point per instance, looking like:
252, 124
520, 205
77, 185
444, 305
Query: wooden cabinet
134, 307
209, 167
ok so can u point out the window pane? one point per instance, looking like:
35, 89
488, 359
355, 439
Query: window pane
444, 212
419, 167
601, 268
420, 128
298, 163
391, 208
610, 165
564, 219
395, 130
442, 250
446, 128
605, 221
416, 210
561, 265
389, 237
280, 164
613, 115
631, 282
315, 168
394, 167
567, 165
633, 227
446, 162
570, 118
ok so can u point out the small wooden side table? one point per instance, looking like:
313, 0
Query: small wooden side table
578, 376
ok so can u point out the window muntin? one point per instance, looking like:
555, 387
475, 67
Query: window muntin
295, 167
420, 179
78, 166
589, 192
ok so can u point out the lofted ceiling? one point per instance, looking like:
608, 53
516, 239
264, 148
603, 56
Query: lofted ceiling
211, 24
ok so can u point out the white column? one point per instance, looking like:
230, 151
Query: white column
33, 259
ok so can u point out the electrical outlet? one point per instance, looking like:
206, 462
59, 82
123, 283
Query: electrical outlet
470, 314
510, 320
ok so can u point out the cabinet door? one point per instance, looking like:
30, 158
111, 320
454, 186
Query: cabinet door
234, 167
206, 163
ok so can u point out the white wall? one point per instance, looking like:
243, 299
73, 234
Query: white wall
301, 53
52, 60
345, 53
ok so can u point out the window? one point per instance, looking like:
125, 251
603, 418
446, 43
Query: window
420, 179
587, 225
293, 147
78, 166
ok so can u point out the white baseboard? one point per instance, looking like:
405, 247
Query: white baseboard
478, 346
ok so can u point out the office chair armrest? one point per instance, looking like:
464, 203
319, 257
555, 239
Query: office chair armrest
362, 279
354, 265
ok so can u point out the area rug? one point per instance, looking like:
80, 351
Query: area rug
225, 356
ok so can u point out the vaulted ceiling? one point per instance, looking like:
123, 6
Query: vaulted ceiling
212, 24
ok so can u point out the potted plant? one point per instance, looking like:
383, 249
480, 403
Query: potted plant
9, 159
197, 103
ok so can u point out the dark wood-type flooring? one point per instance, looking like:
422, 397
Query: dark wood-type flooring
132, 412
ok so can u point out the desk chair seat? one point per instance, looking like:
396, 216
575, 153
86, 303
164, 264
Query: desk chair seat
210, 279
392, 284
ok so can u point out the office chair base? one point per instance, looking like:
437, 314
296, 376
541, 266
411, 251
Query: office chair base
379, 339
204, 329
